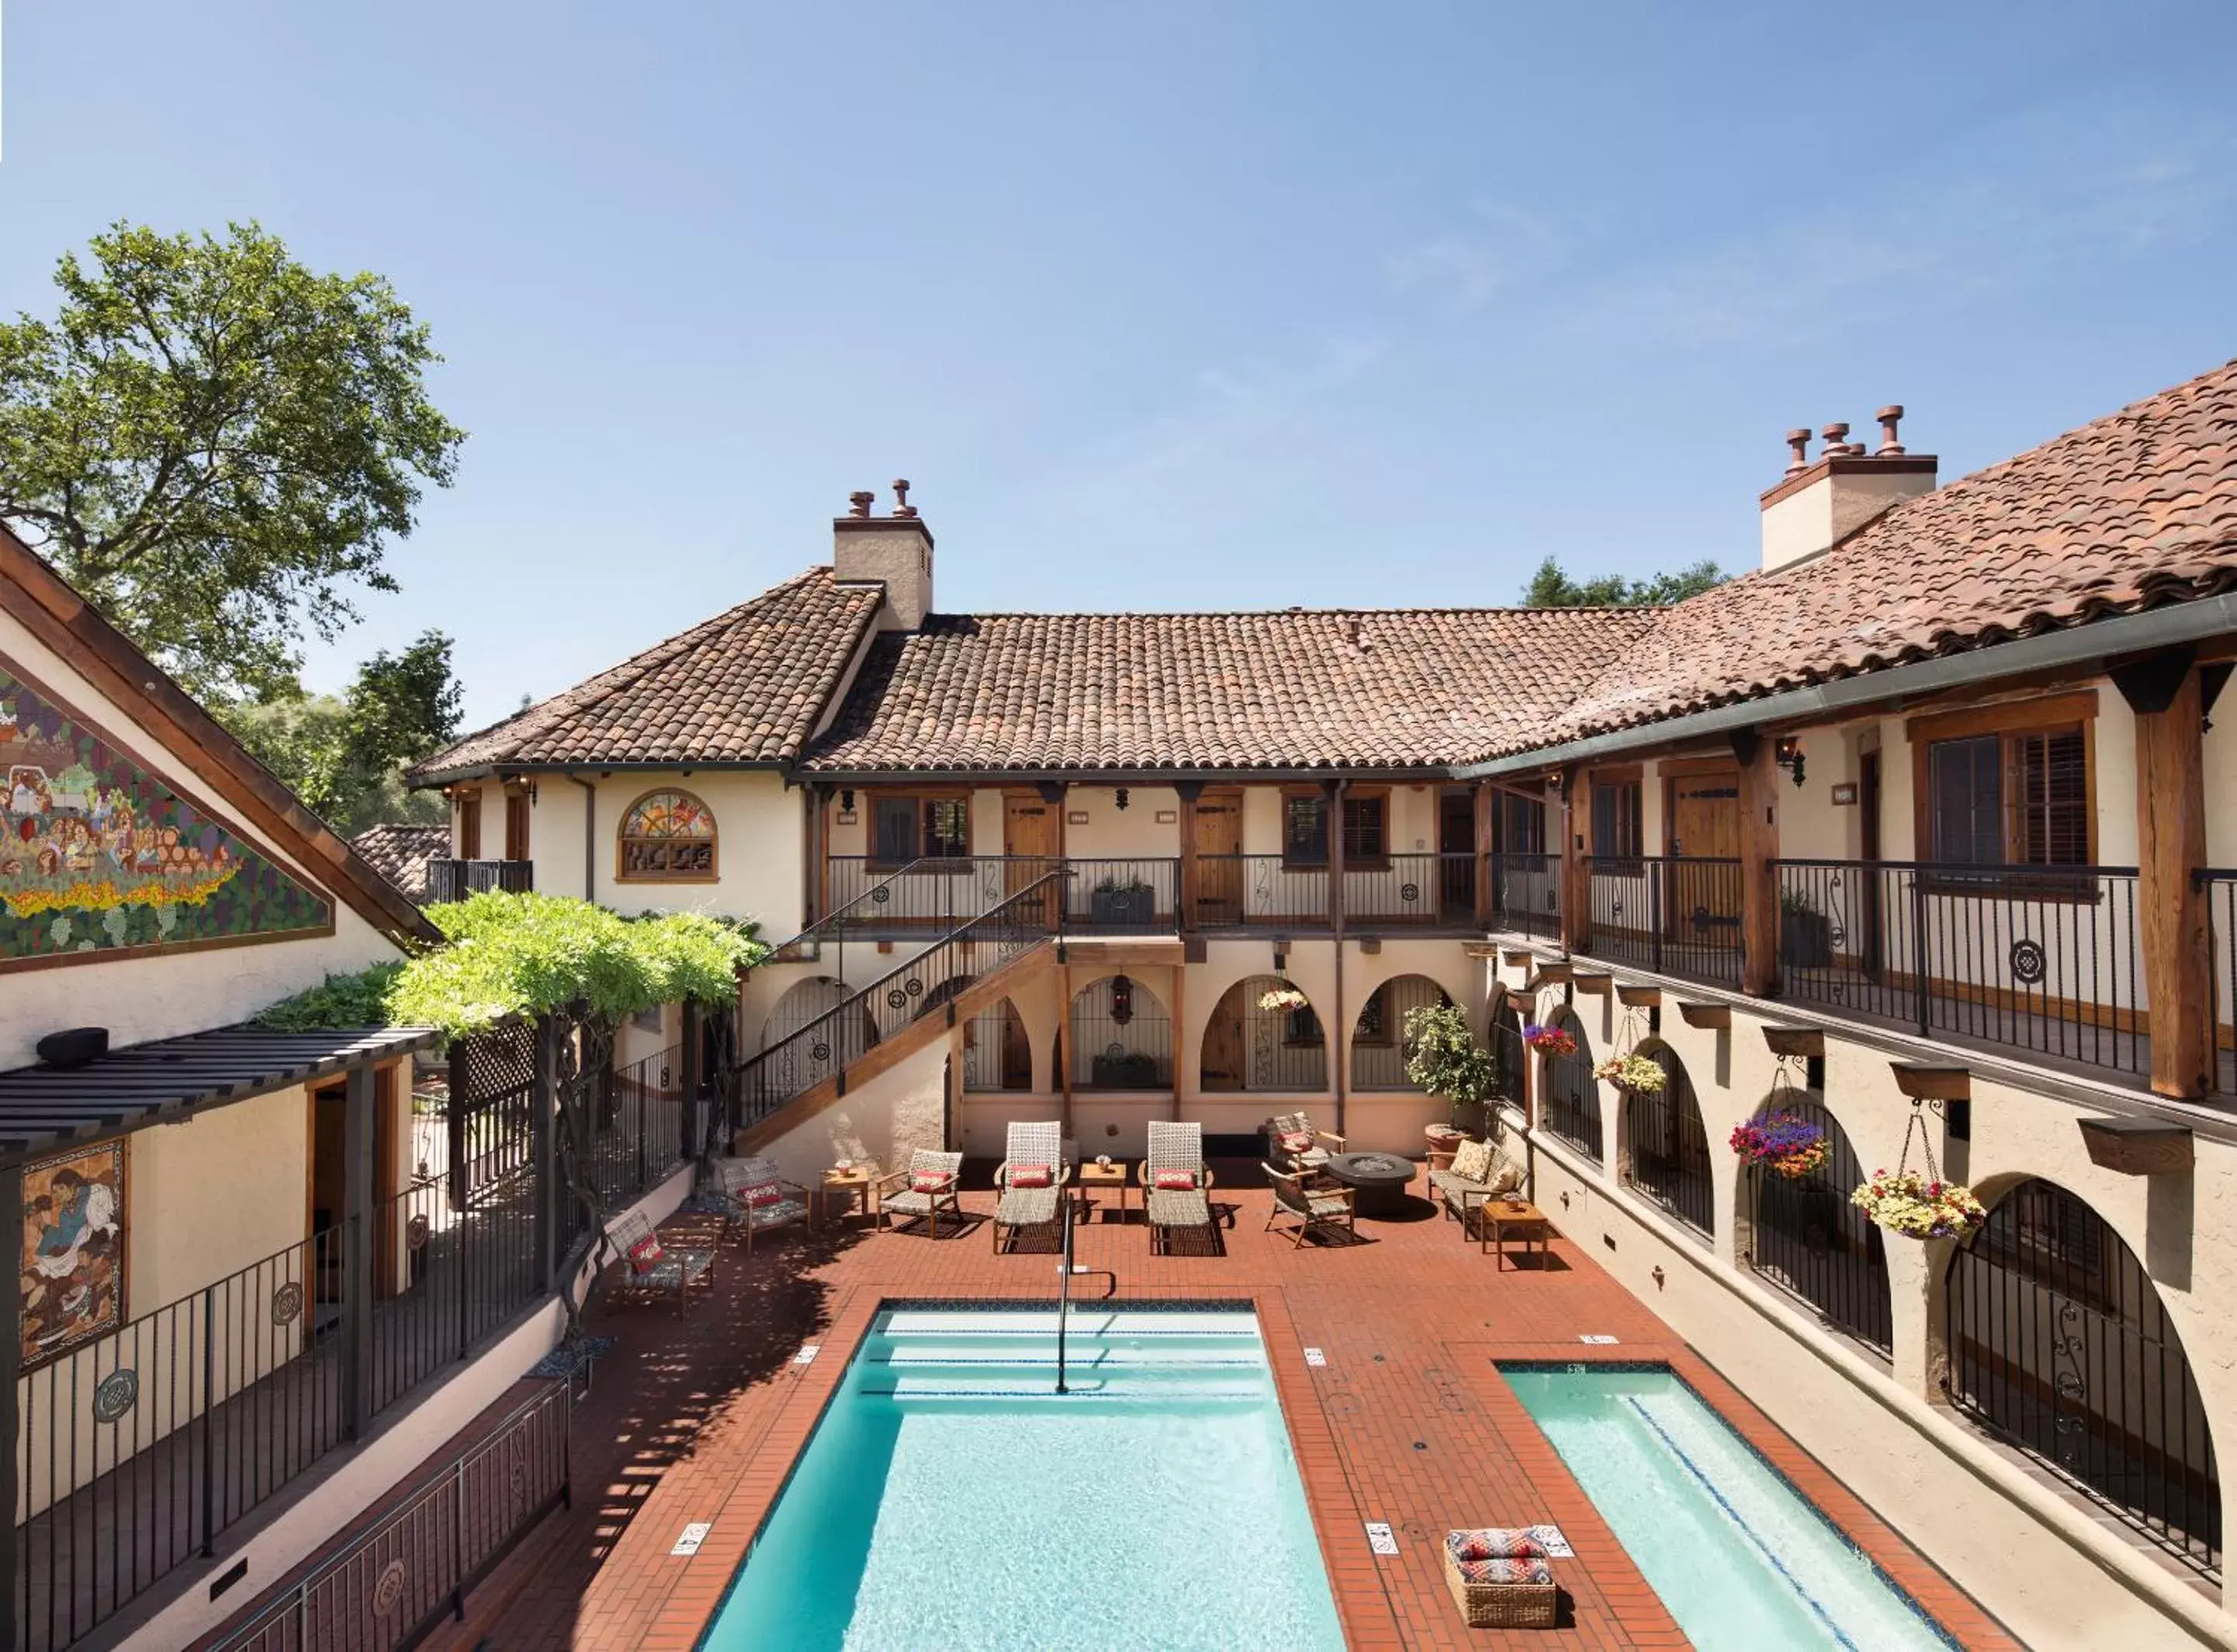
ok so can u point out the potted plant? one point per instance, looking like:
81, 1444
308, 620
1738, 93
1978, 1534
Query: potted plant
1283, 1000
1444, 1058
1789, 1146
1919, 1207
1127, 902
1806, 935
1634, 1074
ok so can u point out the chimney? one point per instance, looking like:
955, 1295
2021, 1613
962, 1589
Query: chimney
1815, 505
894, 551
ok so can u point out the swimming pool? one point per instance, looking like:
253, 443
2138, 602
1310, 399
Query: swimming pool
1741, 1559
949, 1497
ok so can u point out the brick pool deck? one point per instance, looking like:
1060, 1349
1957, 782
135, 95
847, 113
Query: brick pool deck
698, 1418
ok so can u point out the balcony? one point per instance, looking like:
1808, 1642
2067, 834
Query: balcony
453, 880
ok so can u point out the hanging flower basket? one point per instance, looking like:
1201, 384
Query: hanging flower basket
1789, 1146
1281, 999
1548, 1040
1632, 1075
1919, 1207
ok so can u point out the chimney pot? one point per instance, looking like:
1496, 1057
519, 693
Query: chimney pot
901, 506
1889, 448
1799, 441
1837, 441
859, 502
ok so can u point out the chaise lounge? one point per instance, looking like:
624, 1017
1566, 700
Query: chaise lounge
1030, 1180
1174, 1183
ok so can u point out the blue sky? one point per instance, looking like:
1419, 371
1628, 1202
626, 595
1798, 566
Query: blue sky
1159, 305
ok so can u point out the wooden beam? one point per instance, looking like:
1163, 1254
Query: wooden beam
1804, 1041
1758, 769
1483, 822
1187, 892
1576, 878
2139, 1146
1926, 1081
1704, 1013
2167, 696
1639, 995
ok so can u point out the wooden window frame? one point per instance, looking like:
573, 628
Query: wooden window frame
2074, 712
1378, 794
621, 840
1329, 825
917, 797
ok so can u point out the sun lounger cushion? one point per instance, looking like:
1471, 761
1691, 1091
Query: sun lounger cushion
929, 1181
1472, 1162
1494, 1542
1174, 1181
1031, 1176
1532, 1570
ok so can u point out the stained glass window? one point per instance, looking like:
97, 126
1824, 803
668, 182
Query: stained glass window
668, 836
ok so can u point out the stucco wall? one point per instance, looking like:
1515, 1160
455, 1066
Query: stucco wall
883, 1119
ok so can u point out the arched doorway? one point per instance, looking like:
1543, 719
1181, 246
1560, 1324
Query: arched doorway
1248, 1046
1666, 1150
2057, 1341
1121, 1037
996, 1054
1573, 1094
1811, 1241
1504, 1039
1378, 1038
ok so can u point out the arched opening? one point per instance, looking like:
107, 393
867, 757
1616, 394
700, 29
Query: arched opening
952, 987
1507, 1049
1666, 1150
1809, 1240
1378, 1038
665, 836
806, 1042
1248, 1047
1122, 1038
1573, 1094
2057, 1341
996, 1054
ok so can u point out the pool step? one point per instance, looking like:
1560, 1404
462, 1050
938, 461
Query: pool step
1175, 1350
1085, 1319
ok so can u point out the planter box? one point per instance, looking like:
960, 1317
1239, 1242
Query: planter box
1806, 941
1126, 1073
1133, 907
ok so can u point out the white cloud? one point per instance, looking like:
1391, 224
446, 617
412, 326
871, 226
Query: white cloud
1494, 250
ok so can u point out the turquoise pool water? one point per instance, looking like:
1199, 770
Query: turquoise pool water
1739, 1557
949, 1498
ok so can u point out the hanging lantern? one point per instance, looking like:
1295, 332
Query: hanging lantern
1122, 1000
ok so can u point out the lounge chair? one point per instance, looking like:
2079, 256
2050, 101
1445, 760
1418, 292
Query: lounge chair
759, 1198
1030, 1179
1303, 1197
649, 1266
1287, 1127
921, 1192
1174, 1182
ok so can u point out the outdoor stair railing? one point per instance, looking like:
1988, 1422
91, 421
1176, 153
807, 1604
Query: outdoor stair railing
827, 1046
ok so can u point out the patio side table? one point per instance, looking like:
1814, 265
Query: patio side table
1094, 1175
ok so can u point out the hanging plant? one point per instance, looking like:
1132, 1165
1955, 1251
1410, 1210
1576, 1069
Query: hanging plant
1281, 999
1632, 1075
1548, 1040
1791, 1146
1918, 1207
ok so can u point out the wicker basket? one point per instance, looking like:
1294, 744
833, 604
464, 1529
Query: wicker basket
1501, 1606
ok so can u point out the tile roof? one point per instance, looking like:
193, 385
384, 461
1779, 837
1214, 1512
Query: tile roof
2133, 511
1291, 689
399, 852
744, 687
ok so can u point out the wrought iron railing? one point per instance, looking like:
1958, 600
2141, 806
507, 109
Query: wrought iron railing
446, 1277
935, 893
826, 1046
1259, 891
2220, 886
1811, 1241
2042, 959
391, 1583
1423, 888
1673, 914
1666, 1150
454, 879
1139, 896
1526, 893
1120, 1037
1570, 1096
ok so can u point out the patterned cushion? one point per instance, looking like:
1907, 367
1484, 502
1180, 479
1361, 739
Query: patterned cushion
767, 1193
644, 1255
1296, 1141
1032, 1176
1534, 1570
1174, 1181
1473, 1161
1507, 1180
929, 1181
1494, 1542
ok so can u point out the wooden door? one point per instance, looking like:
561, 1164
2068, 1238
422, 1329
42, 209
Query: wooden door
1219, 868
516, 826
1032, 839
1701, 822
1456, 836
1223, 1054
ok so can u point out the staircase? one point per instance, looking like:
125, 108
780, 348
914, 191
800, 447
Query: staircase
976, 963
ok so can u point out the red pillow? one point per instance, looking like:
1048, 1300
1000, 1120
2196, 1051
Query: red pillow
1296, 1141
1031, 1176
929, 1181
765, 1195
645, 1254
1174, 1181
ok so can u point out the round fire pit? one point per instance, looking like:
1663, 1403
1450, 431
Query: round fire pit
1380, 1180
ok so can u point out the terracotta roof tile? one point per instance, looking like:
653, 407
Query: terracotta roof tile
399, 852
747, 686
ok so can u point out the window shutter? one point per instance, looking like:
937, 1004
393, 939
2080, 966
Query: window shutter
1965, 801
894, 840
1305, 831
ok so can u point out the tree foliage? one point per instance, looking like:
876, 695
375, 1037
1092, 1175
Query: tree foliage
346, 756
1552, 588
1444, 1058
213, 442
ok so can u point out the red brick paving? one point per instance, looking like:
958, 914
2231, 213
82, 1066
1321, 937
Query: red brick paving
699, 1418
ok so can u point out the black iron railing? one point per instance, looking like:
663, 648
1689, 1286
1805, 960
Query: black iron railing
1811, 1242
1665, 1149
1526, 893
2039, 959
2220, 886
934, 893
1136, 896
2057, 1341
1120, 1036
1431, 890
391, 1583
1673, 914
1259, 891
1570, 1107
454, 879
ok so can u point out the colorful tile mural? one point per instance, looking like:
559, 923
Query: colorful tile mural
98, 855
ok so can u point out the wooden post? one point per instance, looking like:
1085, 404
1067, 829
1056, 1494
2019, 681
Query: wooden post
2165, 693
1339, 1042
11, 1365
1063, 1041
360, 1220
1484, 817
1189, 791
1576, 877
1757, 754
1177, 990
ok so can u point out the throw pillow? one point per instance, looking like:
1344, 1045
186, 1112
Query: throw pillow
1031, 1176
1494, 1542
1472, 1162
765, 1195
1507, 1178
1174, 1181
929, 1181
1296, 1141
645, 1254
1501, 1570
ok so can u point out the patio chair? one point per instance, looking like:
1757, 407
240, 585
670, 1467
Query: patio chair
1292, 1143
1030, 1179
1303, 1197
651, 1266
1174, 1182
921, 1192
757, 1197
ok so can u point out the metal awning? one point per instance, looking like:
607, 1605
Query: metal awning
169, 1080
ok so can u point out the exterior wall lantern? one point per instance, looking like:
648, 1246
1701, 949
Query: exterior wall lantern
1122, 1000
1788, 756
